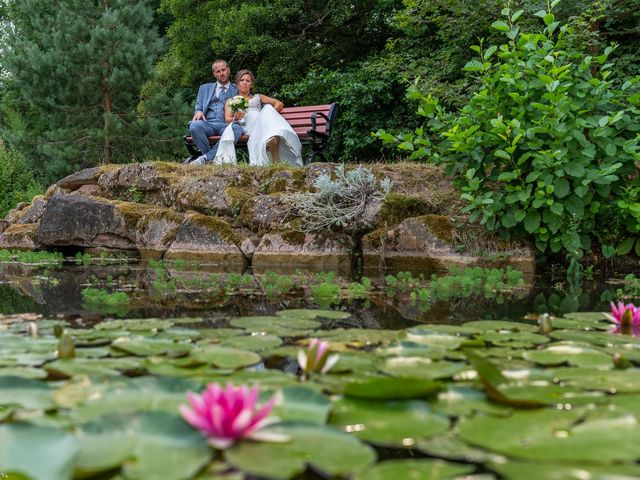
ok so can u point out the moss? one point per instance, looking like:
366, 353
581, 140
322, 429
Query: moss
220, 227
237, 197
20, 229
293, 237
375, 238
398, 207
247, 212
440, 226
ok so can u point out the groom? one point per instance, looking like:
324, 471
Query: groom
208, 118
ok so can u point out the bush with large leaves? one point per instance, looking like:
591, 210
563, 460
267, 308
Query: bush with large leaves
544, 144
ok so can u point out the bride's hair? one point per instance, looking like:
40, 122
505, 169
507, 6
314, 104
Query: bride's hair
244, 72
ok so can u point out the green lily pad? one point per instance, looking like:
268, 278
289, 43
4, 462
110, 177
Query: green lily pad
174, 368
459, 400
415, 470
388, 388
507, 338
21, 444
142, 325
394, 423
555, 435
431, 338
25, 392
489, 325
312, 314
322, 448
358, 337
448, 445
610, 381
24, 372
225, 357
255, 343
143, 347
91, 366
515, 470
302, 404
571, 353
138, 394
418, 367
152, 445
281, 326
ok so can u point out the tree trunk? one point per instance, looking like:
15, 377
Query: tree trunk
106, 92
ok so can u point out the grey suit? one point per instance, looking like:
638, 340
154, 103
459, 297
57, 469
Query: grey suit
213, 107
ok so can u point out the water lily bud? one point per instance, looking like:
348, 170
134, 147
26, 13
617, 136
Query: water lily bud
66, 346
544, 323
57, 330
32, 329
621, 362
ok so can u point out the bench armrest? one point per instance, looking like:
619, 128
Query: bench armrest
314, 115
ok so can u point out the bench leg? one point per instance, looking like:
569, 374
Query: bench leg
193, 151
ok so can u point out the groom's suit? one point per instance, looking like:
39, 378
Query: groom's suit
210, 101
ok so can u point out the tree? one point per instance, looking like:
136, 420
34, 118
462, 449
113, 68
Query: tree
74, 71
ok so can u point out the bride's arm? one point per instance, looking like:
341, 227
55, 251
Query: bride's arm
228, 114
277, 104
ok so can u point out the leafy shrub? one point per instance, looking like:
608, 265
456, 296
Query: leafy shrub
546, 142
17, 183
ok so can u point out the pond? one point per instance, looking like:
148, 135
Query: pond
459, 377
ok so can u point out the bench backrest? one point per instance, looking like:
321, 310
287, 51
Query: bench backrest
300, 118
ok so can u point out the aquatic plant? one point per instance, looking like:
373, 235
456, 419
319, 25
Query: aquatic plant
102, 301
316, 358
227, 415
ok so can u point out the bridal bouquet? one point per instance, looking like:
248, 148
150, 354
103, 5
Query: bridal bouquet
238, 104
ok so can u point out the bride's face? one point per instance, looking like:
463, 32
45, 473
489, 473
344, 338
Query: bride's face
245, 84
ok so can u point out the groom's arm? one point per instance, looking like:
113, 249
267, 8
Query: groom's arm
198, 112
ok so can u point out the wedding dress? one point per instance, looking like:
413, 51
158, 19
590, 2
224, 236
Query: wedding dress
261, 123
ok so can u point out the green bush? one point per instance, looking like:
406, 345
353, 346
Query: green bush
17, 182
545, 145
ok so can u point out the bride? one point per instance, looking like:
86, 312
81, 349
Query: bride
271, 138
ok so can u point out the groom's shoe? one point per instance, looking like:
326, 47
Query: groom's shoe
201, 160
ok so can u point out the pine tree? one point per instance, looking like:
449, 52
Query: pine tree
74, 73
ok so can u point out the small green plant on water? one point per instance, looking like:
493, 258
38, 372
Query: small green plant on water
630, 288
102, 301
39, 257
326, 294
83, 259
276, 285
361, 289
235, 281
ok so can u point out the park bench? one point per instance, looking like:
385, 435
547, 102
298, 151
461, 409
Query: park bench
313, 124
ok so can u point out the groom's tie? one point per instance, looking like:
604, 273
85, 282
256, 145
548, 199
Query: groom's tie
223, 93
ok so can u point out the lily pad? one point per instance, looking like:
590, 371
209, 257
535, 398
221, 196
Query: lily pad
388, 388
322, 448
555, 435
571, 353
25, 392
449, 445
515, 470
304, 405
491, 325
415, 470
394, 423
282, 326
225, 357
21, 443
91, 366
255, 343
152, 445
143, 347
312, 314
421, 368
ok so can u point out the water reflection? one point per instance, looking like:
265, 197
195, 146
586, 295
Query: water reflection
196, 292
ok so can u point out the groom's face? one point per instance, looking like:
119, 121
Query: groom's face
221, 72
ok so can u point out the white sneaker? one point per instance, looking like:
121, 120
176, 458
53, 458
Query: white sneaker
201, 160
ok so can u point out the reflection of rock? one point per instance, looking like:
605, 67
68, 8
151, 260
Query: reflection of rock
319, 251
425, 244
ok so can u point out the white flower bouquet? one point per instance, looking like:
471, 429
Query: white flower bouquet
238, 104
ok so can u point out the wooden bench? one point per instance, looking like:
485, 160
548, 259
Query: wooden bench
313, 125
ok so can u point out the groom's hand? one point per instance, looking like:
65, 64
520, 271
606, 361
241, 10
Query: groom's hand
199, 116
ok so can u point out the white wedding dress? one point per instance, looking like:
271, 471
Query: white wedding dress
261, 122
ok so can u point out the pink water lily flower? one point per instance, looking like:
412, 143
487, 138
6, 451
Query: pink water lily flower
316, 358
624, 315
226, 415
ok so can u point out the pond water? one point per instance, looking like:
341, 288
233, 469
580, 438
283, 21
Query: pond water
459, 378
